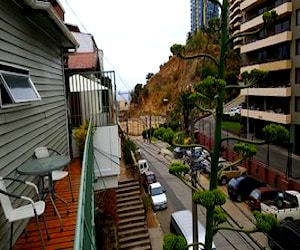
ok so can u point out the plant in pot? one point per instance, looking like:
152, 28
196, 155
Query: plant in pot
80, 135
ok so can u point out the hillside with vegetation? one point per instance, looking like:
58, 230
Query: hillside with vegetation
162, 89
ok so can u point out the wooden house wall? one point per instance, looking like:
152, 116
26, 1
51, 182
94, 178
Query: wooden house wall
25, 127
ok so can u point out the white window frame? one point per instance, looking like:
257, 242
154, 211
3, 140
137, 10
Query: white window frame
17, 96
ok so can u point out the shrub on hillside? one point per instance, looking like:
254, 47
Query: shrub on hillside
128, 147
168, 135
158, 133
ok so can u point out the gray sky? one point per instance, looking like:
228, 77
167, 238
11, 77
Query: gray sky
135, 35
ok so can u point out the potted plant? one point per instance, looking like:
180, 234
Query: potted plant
80, 135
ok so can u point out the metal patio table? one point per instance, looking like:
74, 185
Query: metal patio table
43, 167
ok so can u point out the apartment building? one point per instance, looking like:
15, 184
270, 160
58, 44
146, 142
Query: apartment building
235, 23
276, 50
200, 8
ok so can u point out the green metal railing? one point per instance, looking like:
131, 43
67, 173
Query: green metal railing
85, 238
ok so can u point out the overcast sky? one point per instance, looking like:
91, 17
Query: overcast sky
135, 35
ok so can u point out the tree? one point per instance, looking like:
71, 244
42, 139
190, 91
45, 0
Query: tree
274, 133
138, 93
149, 75
185, 105
213, 91
214, 199
173, 242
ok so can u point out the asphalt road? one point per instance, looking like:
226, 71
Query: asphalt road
179, 198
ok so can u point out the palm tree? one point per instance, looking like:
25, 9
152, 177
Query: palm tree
185, 105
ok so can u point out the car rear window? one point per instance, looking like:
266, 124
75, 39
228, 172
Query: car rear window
271, 195
151, 177
255, 194
233, 182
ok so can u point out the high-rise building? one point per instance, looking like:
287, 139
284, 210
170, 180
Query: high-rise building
197, 11
276, 50
235, 23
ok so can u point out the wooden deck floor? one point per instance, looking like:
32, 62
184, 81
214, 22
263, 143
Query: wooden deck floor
59, 240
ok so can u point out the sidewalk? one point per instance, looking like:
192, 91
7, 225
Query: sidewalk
156, 238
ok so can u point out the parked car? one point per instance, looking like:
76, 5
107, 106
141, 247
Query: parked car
240, 187
181, 224
138, 153
286, 206
261, 194
178, 152
148, 177
198, 152
143, 165
233, 111
158, 196
196, 164
228, 171
286, 236
207, 164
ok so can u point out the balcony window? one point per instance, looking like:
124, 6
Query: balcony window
282, 52
16, 86
297, 76
262, 56
262, 34
298, 47
282, 26
262, 10
298, 17
297, 104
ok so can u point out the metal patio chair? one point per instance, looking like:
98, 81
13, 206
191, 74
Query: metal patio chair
22, 212
57, 175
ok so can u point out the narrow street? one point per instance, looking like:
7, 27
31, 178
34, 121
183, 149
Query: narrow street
179, 198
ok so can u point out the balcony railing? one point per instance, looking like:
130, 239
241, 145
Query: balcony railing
92, 96
85, 227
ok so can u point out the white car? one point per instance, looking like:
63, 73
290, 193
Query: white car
143, 165
158, 196
198, 152
234, 111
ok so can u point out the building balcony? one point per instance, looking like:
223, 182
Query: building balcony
267, 116
269, 41
247, 4
277, 92
237, 24
98, 170
235, 18
268, 66
238, 40
234, 12
237, 47
59, 240
281, 10
234, 4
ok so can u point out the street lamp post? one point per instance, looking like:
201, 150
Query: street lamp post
150, 128
194, 184
248, 136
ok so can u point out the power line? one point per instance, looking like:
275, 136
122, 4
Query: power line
76, 16
106, 59
119, 76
